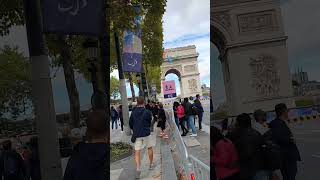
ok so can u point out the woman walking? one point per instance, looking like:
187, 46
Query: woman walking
176, 119
120, 117
181, 117
162, 121
114, 117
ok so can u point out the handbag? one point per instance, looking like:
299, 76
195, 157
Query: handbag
133, 139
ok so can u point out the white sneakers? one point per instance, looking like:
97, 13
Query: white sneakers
193, 135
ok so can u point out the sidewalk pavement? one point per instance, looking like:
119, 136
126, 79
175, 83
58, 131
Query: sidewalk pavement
199, 146
125, 168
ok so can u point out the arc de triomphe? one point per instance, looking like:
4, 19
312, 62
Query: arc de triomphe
185, 65
250, 37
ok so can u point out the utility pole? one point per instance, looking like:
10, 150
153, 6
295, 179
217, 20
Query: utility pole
123, 90
45, 115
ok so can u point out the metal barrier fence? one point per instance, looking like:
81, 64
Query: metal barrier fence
297, 114
190, 168
201, 170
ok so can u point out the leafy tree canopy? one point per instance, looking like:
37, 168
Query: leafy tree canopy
15, 83
114, 87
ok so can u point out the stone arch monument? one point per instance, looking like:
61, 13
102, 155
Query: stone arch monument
250, 37
183, 61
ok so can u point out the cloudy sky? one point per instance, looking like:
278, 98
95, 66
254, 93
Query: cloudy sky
187, 22
301, 22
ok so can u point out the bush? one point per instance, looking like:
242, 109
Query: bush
120, 150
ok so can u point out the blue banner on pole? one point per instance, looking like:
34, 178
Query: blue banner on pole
73, 16
132, 62
132, 51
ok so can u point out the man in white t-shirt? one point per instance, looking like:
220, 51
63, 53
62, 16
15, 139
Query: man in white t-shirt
260, 119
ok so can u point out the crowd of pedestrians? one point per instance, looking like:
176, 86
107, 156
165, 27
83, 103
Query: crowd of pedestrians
87, 159
144, 116
20, 163
255, 149
90, 156
185, 114
116, 116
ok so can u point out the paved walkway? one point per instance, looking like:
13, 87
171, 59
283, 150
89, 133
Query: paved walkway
199, 146
125, 168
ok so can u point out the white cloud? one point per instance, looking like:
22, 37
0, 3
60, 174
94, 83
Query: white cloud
187, 22
184, 17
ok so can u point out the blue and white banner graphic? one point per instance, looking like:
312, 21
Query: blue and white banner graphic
297, 113
132, 48
132, 52
73, 16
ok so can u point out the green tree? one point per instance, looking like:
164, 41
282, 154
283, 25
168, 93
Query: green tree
15, 83
152, 37
153, 75
114, 87
68, 52
11, 14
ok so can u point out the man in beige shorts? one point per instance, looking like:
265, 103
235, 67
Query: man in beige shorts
140, 122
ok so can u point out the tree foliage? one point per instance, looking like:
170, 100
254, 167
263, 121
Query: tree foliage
114, 87
121, 16
11, 14
15, 83
152, 35
153, 76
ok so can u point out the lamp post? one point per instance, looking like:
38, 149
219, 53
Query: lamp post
138, 76
91, 47
98, 98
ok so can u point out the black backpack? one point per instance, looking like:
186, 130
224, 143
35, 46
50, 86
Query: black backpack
271, 153
11, 165
194, 109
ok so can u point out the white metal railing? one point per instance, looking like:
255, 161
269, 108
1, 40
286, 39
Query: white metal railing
190, 168
201, 170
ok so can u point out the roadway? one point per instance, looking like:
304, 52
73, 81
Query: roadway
202, 150
307, 135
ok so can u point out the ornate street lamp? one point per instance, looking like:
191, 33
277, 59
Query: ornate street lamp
91, 47
98, 98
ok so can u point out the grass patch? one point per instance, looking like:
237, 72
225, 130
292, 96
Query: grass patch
219, 115
304, 103
119, 151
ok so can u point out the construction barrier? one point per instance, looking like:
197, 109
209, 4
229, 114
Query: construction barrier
189, 167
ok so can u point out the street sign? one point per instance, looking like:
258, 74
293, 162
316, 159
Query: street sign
169, 89
73, 16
